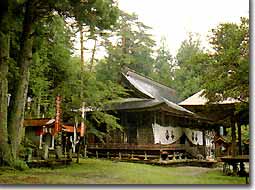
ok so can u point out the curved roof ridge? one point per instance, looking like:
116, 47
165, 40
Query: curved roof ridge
127, 69
150, 88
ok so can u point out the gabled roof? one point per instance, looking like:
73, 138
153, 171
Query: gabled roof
139, 103
148, 87
221, 139
38, 122
219, 112
200, 99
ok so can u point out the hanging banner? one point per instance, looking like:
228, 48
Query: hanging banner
196, 137
82, 122
166, 135
57, 126
169, 135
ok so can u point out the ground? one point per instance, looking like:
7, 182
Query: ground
93, 171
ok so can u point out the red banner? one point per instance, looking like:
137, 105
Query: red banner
57, 126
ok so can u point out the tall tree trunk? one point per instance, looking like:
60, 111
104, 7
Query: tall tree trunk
239, 130
4, 56
18, 101
38, 110
93, 55
82, 47
233, 135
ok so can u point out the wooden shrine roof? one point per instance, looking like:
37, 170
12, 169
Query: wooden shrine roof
147, 87
38, 122
219, 112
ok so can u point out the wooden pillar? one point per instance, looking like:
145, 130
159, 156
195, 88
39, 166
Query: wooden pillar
138, 123
96, 151
52, 142
145, 155
162, 118
239, 139
85, 151
132, 155
96, 154
204, 145
40, 142
124, 124
233, 135
154, 118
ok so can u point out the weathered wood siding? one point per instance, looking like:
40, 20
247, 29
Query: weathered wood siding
144, 131
30, 133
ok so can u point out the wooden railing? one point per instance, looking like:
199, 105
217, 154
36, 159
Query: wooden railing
126, 146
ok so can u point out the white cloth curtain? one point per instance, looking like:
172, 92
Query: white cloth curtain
166, 135
196, 137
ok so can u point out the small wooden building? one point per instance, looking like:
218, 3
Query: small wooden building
40, 131
222, 147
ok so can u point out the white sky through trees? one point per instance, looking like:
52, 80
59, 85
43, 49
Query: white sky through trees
174, 19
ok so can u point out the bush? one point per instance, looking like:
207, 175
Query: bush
20, 165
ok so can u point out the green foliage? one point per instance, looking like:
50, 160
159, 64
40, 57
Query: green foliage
50, 59
35, 28
191, 66
109, 120
96, 94
20, 165
131, 47
245, 133
229, 65
164, 65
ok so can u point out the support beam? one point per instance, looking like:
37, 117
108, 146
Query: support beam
145, 155
240, 152
233, 135
40, 142
204, 145
52, 142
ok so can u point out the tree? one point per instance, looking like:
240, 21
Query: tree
191, 66
229, 65
30, 13
5, 19
130, 46
97, 94
164, 66
51, 57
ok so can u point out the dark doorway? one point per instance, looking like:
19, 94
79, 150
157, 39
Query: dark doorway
183, 139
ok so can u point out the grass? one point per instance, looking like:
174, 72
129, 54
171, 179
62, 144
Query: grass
93, 171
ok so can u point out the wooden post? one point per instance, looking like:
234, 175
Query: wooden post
45, 151
120, 155
174, 158
204, 145
233, 135
240, 152
52, 142
233, 147
40, 142
96, 154
96, 151
85, 151
145, 155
